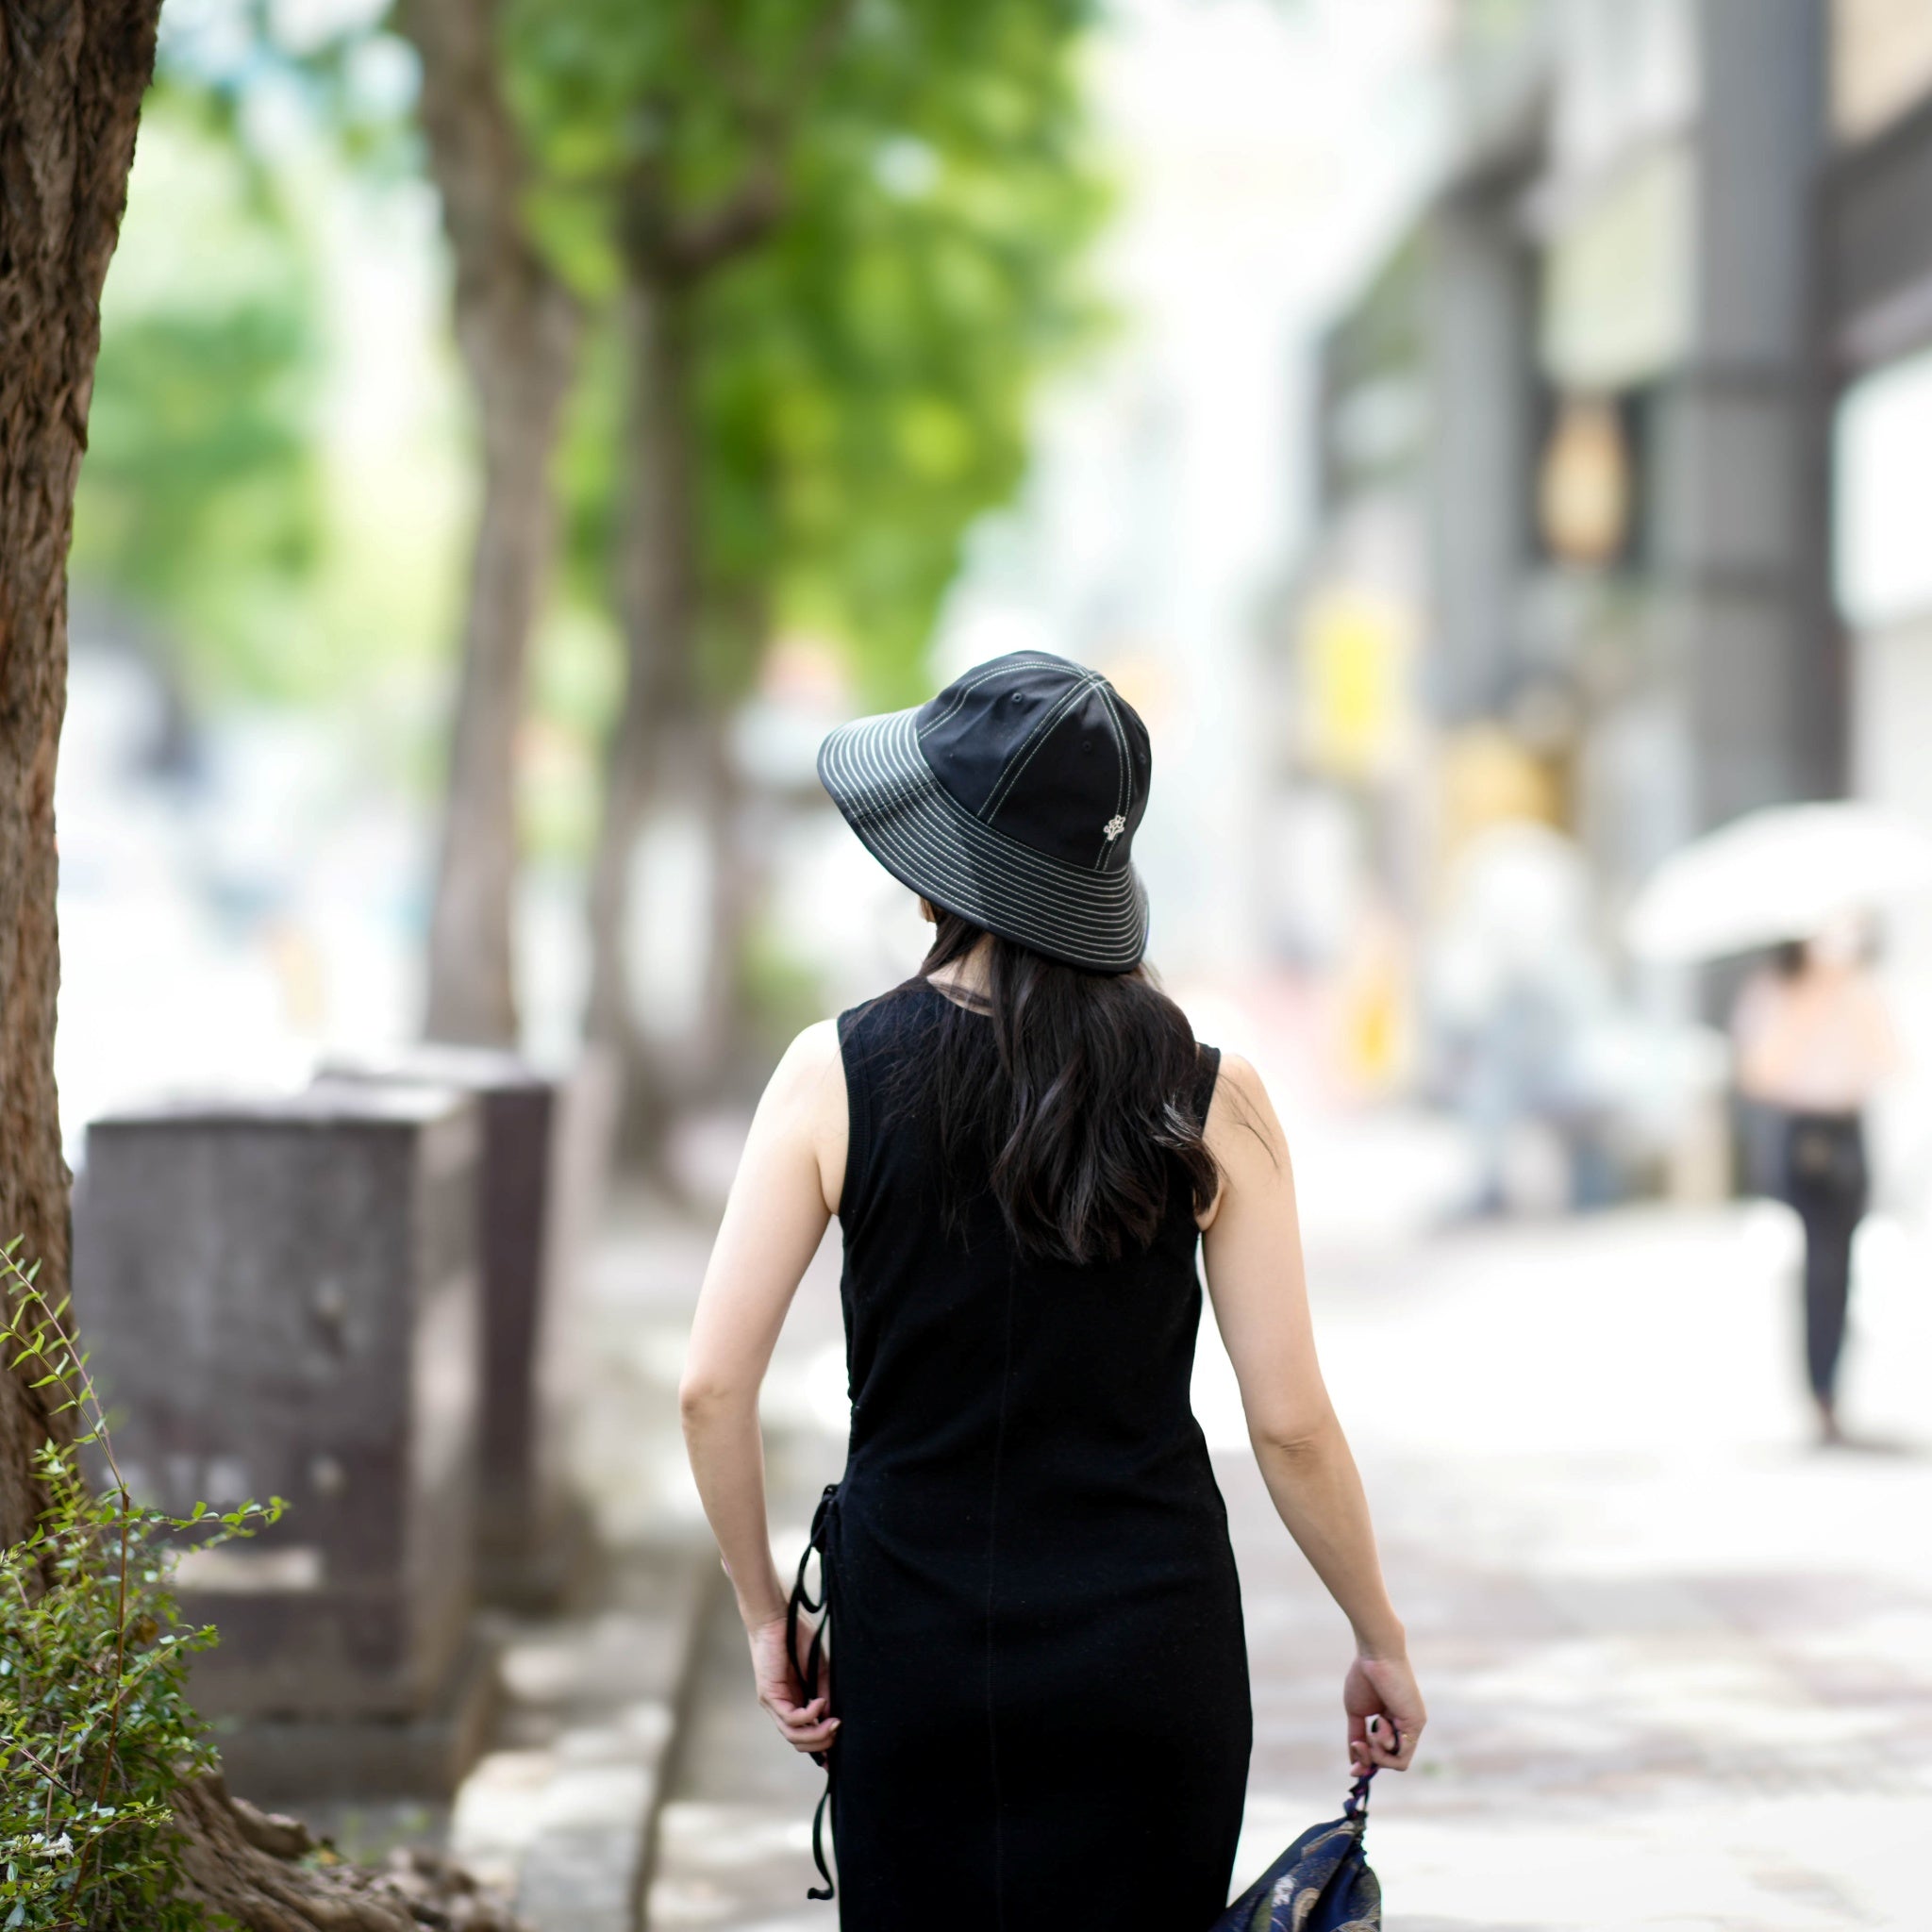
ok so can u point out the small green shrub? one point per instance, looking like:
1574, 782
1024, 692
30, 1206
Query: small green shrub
96, 1734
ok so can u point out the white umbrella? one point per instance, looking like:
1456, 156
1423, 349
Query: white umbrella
1781, 874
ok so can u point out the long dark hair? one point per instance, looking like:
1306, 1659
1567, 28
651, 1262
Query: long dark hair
1074, 1093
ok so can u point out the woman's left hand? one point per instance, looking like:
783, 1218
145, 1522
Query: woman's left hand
1385, 1714
802, 1713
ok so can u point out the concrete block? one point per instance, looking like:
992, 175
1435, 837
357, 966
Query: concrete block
281, 1298
542, 1151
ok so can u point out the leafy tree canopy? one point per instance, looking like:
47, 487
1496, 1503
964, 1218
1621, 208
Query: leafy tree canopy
282, 509
861, 383
200, 499
862, 379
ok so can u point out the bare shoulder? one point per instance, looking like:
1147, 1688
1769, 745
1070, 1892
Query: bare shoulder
1870, 993
804, 1107
1242, 1132
814, 1052
811, 1074
1240, 1107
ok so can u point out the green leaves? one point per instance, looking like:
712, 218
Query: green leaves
860, 382
201, 502
95, 1730
96, 1734
861, 379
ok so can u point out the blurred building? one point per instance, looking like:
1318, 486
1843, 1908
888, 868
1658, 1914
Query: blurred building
1573, 422
1879, 340
1875, 357
1629, 426
1620, 449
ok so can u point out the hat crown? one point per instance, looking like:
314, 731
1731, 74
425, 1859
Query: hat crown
1045, 752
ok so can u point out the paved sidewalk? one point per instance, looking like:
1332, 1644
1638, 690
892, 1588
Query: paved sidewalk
1680, 1666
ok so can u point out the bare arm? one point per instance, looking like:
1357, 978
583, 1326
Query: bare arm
1252, 1240
786, 1191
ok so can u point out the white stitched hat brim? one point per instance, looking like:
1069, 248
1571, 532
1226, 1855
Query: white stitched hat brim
879, 777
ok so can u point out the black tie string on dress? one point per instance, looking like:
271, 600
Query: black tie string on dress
802, 1602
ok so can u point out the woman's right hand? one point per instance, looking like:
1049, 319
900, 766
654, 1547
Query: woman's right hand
1385, 1714
802, 1713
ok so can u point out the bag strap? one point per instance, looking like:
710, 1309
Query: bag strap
1356, 1806
803, 1603
818, 1845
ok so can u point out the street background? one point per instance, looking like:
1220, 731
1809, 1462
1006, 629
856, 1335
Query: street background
1488, 443
1674, 1659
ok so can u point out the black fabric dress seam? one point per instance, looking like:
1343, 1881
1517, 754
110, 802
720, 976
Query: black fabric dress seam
992, 1532
858, 1123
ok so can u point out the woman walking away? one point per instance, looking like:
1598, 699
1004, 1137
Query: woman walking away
1813, 1043
1036, 1710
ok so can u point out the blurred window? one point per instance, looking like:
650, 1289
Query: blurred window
1586, 485
1883, 562
1590, 509
1617, 276
1356, 650
1881, 62
1626, 73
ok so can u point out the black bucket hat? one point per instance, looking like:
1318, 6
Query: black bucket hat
1011, 799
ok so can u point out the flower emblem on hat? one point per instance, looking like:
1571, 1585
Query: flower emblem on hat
1114, 827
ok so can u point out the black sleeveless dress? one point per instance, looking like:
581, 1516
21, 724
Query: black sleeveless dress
1035, 1620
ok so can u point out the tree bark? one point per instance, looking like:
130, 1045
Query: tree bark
666, 741
71, 76
675, 1064
657, 600
517, 329
727, 910
242, 1862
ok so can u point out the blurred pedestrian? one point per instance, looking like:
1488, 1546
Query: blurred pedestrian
1814, 1041
1037, 1709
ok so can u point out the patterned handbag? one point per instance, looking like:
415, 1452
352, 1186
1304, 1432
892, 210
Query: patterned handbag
1321, 1883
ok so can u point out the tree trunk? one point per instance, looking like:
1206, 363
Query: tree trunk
517, 327
658, 597
697, 1065
71, 75
740, 823
676, 1062
728, 914
243, 1863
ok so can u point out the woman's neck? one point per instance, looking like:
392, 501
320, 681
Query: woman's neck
966, 974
